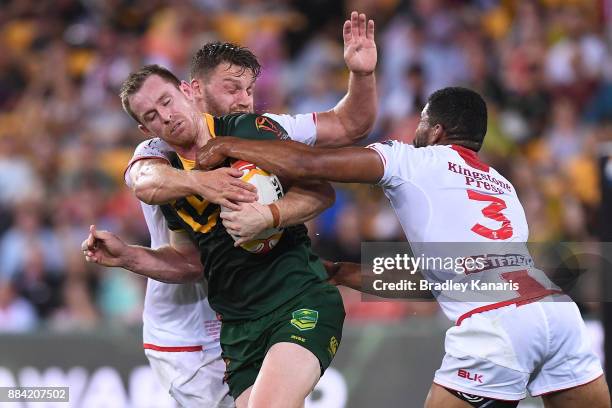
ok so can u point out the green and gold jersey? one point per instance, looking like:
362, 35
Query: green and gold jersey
243, 285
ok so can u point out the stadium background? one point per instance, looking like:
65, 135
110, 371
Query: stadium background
545, 68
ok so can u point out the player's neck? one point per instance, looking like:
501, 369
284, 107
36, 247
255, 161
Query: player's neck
201, 137
186, 152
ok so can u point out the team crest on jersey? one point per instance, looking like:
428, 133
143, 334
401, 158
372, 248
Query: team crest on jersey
304, 319
265, 123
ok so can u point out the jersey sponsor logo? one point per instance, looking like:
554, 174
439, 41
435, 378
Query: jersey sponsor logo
333, 346
467, 375
495, 261
304, 319
266, 124
480, 180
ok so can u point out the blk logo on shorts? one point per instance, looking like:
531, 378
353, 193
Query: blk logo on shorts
467, 375
304, 319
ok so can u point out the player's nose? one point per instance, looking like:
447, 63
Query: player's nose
166, 116
245, 96
244, 103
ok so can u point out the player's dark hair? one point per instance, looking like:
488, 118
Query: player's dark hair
462, 113
134, 81
210, 55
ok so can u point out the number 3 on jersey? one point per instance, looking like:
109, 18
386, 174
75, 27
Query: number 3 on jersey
494, 212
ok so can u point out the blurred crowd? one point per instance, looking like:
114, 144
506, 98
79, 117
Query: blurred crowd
544, 67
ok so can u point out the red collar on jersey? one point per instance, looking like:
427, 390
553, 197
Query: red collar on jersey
470, 157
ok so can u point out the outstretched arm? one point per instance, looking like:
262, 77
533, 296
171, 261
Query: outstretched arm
178, 262
297, 161
353, 117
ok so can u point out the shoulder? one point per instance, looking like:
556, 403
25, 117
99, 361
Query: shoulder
155, 147
249, 125
392, 149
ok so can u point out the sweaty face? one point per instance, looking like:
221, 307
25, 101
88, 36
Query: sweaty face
165, 111
228, 89
423, 131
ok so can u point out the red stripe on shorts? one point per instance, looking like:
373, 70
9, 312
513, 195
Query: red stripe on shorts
149, 346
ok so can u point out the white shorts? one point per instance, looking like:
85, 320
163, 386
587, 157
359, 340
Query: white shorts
540, 347
193, 378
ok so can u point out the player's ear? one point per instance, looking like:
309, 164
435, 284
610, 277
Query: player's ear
195, 88
437, 134
186, 90
144, 130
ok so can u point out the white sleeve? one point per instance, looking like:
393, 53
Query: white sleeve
399, 159
300, 128
154, 148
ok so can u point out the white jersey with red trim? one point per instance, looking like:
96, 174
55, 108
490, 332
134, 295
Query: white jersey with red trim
445, 194
178, 315
174, 315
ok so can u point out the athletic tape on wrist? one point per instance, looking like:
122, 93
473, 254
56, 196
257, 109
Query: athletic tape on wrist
275, 215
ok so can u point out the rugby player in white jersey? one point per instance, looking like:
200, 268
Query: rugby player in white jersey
180, 330
534, 340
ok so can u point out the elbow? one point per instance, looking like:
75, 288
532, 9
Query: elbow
192, 275
185, 275
145, 192
190, 269
369, 126
357, 130
361, 130
328, 195
360, 135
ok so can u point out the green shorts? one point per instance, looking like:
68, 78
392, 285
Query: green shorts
313, 320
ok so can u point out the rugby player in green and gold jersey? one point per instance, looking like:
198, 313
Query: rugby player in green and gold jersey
360, 55
281, 322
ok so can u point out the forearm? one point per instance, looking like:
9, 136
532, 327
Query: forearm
356, 112
304, 201
164, 264
353, 117
295, 161
158, 184
285, 159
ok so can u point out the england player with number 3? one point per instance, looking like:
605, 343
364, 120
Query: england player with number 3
534, 341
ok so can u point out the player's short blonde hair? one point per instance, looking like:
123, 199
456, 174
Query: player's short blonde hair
134, 81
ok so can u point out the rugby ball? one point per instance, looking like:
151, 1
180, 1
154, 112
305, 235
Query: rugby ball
269, 190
